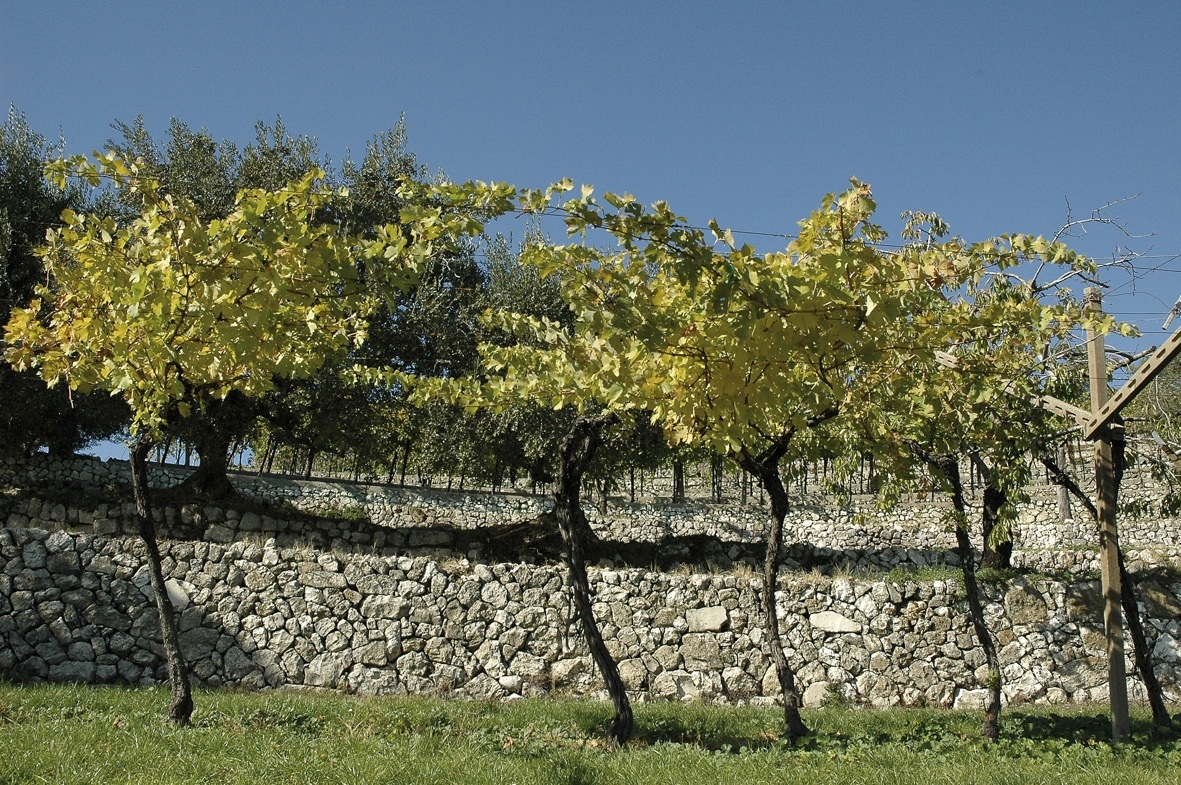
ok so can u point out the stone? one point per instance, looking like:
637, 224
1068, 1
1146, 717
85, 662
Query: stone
373, 654
1084, 602
64, 563
385, 606
633, 673
830, 621
237, 665
701, 652
327, 670
816, 694
34, 555
675, 685
565, 672
219, 533
529, 666
1167, 649
495, 594
738, 684
484, 687
1025, 605
971, 699
258, 579
669, 657
511, 683
198, 642
711, 619
82, 672
177, 594
1158, 601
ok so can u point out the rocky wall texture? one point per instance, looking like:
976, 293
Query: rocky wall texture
821, 536
76, 606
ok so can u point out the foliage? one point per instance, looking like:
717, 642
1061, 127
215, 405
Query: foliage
33, 415
169, 308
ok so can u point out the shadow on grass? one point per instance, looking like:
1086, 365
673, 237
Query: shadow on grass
1081, 728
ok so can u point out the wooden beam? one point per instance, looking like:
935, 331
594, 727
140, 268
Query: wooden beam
1147, 371
1064, 409
1105, 492
1048, 402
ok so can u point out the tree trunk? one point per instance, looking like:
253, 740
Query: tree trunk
405, 464
576, 451
1064, 514
949, 466
1161, 721
769, 479
211, 479
180, 707
1000, 555
717, 478
678, 481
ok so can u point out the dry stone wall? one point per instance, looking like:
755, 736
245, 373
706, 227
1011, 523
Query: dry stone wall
268, 602
828, 538
76, 607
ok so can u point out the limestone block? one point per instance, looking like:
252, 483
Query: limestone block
34, 555
238, 666
634, 673
1027, 687
177, 594
830, 621
323, 579
879, 662
665, 617
1167, 649
711, 619
1159, 601
1084, 602
1025, 605
63, 563
219, 533
701, 652
675, 685
565, 672
529, 666
495, 594
326, 669
385, 606
971, 699
82, 672
816, 693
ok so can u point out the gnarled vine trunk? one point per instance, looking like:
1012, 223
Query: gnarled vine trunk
1161, 721
998, 554
768, 477
949, 467
575, 454
180, 707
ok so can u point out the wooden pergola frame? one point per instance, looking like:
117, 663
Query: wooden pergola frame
1098, 425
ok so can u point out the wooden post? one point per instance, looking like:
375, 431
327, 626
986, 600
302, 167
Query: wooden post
1113, 620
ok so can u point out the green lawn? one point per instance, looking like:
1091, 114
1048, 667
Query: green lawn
95, 735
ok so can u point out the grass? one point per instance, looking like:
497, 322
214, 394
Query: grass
75, 734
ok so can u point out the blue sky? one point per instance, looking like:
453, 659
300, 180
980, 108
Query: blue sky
995, 115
